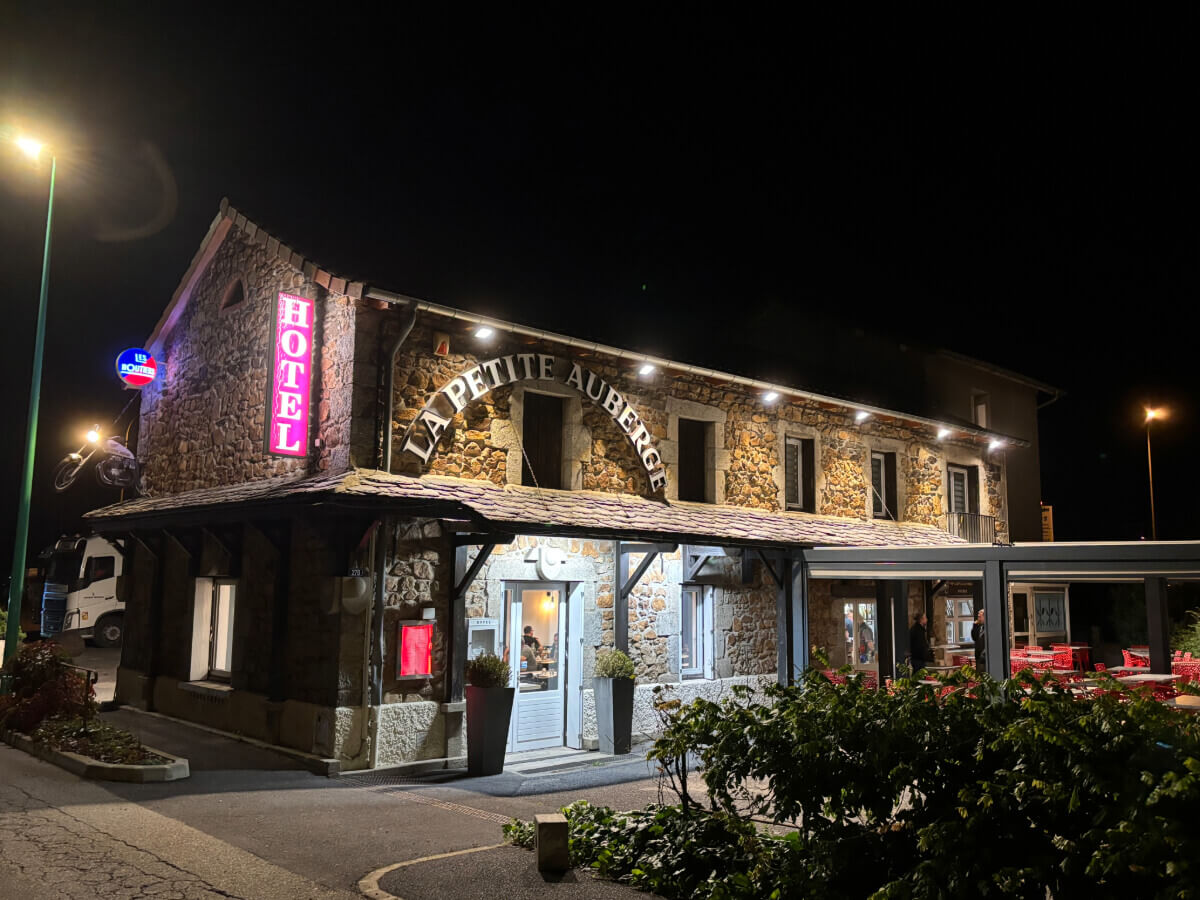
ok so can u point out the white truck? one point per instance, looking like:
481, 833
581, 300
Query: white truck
81, 594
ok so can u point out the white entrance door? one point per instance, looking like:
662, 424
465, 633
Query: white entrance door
537, 636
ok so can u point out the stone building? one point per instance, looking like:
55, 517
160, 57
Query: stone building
349, 492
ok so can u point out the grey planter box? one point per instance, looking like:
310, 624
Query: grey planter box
488, 713
614, 713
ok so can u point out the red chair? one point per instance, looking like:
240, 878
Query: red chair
1101, 667
1135, 660
1188, 668
1063, 657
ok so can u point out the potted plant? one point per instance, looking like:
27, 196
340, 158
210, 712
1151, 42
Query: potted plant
489, 708
613, 685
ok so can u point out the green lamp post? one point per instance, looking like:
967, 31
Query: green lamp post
16, 588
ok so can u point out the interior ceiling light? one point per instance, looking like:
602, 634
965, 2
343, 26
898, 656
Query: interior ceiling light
483, 332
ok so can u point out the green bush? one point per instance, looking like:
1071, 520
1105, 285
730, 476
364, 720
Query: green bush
487, 670
43, 687
614, 664
995, 789
1186, 637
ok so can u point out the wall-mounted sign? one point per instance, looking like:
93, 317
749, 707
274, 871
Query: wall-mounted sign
433, 420
414, 652
136, 367
291, 376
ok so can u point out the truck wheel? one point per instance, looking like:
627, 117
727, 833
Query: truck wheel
109, 631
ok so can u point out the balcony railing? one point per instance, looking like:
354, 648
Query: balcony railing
972, 527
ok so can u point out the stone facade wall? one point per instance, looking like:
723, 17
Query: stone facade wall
203, 419
484, 442
420, 571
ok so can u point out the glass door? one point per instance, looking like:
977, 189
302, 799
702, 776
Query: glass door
860, 634
537, 625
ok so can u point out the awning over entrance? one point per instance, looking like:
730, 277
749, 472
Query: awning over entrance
528, 510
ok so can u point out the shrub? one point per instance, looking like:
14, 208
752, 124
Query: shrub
42, 687
96, 739
487, 670
1186, 637
990, 788
614, 664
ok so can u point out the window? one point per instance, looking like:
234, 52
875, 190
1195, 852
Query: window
800, 490
542, 441
692, 476
979, 409
883, 486
962, 489
694, 618
98, 568
960, 616
220, 636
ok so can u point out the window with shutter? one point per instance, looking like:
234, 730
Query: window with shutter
692, 477
799, 472
883, 486
541, 437
959, 493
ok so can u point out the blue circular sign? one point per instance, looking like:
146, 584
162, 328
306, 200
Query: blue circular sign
136, 367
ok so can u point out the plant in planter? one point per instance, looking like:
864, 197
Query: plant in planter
489, 709
613, 684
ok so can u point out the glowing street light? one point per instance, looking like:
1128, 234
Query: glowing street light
16, 587
93, 435
1151, 416
30, 147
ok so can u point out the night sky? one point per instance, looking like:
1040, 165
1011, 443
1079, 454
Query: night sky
724, 191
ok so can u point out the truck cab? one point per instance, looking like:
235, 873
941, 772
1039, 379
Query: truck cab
82, 594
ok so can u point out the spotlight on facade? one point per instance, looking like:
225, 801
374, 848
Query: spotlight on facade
861, 416
943, 433
93, 435
646, 369
995, 444
483, 332
770, 396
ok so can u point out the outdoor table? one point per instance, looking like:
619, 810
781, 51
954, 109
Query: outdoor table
1151, 677
941, 668
1128, 669
1036, 652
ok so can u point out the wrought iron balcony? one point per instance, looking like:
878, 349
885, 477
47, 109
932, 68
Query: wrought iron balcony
972, 527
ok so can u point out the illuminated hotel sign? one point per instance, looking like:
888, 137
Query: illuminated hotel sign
136, 367
432, 421
291, 377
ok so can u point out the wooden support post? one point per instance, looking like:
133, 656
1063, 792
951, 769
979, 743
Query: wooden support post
995, 612
456, 637
885, 642
1158, 624
898, 609
791, 618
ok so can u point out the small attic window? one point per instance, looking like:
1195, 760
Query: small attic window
235, 295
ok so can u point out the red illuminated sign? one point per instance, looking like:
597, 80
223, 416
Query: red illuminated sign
415, 656
136, 367
291, 378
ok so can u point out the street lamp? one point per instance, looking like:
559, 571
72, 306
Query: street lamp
32, 149
1151, 415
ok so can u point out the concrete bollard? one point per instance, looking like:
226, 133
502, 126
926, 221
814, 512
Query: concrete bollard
551, 832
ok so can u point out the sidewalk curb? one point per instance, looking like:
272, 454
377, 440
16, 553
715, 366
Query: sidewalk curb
317, 765
86, 767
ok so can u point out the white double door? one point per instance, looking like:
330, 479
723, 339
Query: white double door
544, 666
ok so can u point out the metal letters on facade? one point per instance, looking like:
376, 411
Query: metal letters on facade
433, 420
291, 378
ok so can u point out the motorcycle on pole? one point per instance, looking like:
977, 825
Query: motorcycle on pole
115, 466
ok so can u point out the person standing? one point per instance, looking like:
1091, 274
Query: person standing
979, 638
918, 644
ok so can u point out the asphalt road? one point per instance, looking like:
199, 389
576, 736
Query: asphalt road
250, 823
